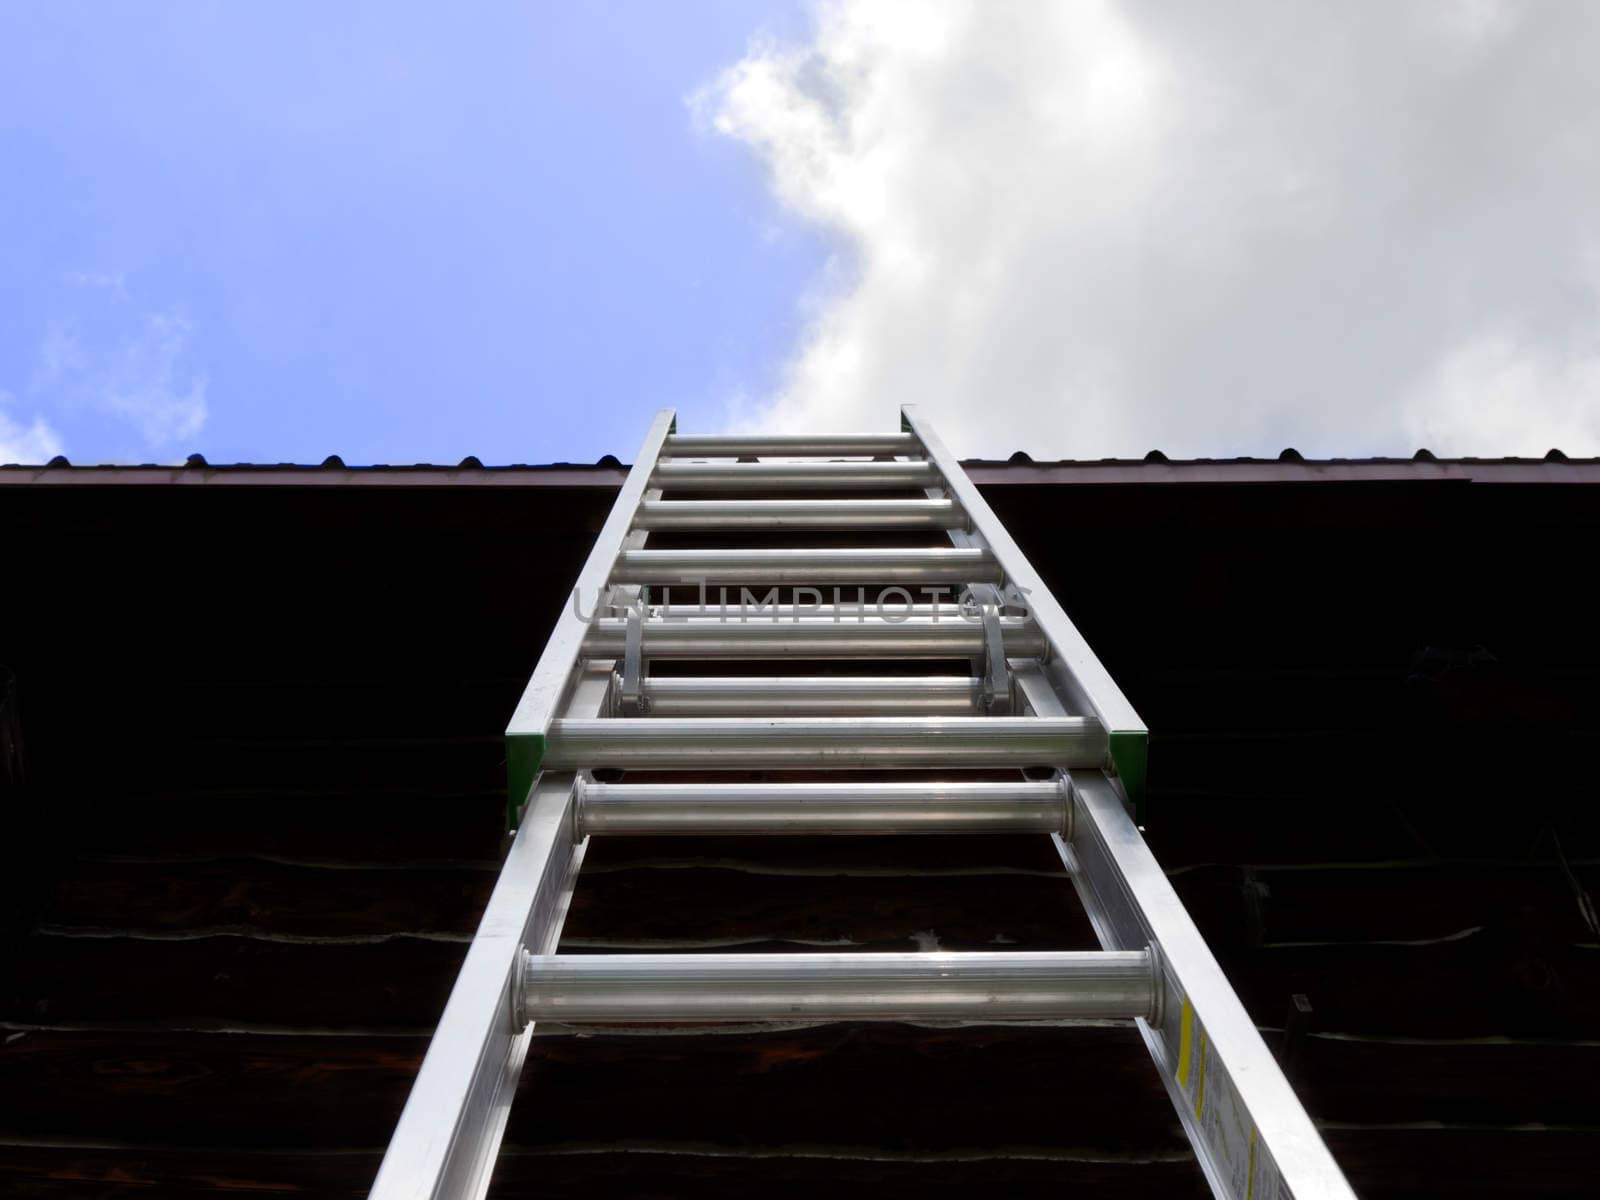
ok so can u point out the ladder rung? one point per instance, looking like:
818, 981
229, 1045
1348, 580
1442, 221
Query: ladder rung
799, 514
812, 637
943, 564
813, 445
724, 605
825, 743
750, 477
819, 695
822, 808
999, 985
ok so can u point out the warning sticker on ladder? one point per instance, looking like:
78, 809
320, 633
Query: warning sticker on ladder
1230, 1135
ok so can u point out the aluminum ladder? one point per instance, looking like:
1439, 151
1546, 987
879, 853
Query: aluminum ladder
1064, 749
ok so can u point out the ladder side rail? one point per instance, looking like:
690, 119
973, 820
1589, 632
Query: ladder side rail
448, 1134
1251, 1133
551, 680
1076, 669
1248, 1128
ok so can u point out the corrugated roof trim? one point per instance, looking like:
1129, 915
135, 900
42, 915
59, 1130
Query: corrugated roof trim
610, 462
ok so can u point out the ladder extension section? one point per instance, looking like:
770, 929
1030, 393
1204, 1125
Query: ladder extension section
1029, 704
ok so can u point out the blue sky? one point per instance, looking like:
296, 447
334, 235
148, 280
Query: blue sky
273, 232
270, 230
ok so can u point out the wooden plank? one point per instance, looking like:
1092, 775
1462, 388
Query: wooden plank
923, 1090
126, 1170
115, 1173
326, 704
225, 1089
359, 767
824, 857
849, 1087
1486, 984
393, 829
1491, 1081
1476, 1160
709, 907
806, 1172
1421, 902
253, 896
1217, 819
228, 980
1248, 907
715, 1095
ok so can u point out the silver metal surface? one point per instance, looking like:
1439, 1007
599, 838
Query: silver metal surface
1244, 1120
995, 696
805, 695
779, 476
938, 564
1251, 1136
1070, 653
825, 743
629, 685
843, 987
808, 445
800, 514
445, 1143
552, 677
741, 604
666, 809
812, 637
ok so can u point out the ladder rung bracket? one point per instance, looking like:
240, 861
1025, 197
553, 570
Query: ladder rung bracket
825, 743
997, 986
812, 695
948, 565
839, 636
711, 515
778, 476
631, 700
996, 697
811, 446
806, 809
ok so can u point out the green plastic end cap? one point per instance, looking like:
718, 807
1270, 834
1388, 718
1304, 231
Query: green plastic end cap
1130, 750
524, 755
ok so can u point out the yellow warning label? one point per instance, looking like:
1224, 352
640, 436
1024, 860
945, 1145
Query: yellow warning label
1185, 1037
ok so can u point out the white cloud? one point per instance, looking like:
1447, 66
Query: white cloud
145, 384
1496, 396
113, 283
141, 378
1097, 228
31, 444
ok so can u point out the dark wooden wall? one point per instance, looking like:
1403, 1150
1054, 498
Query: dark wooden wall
262, 811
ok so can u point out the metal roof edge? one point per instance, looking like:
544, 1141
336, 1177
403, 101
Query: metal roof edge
983, 472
